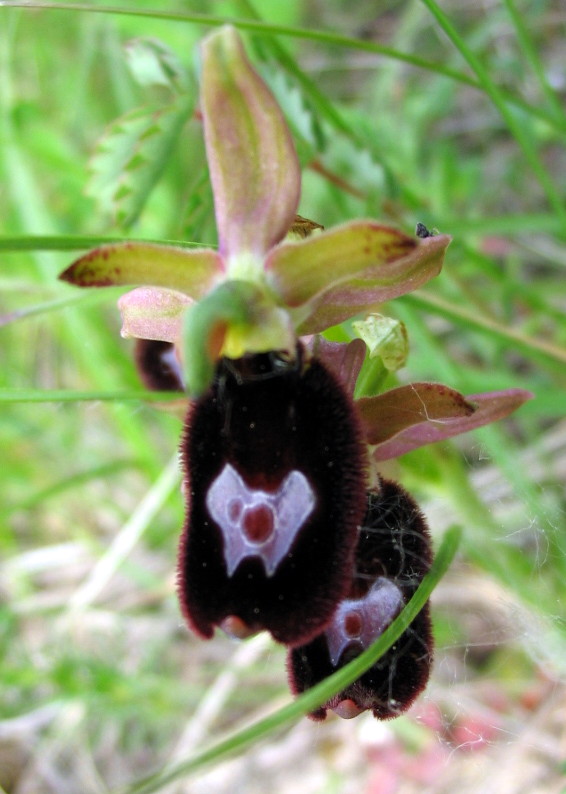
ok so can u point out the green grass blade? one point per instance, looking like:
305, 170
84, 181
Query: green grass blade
75, 396
537, 348
532, 56
321, 692
127, 538
79, 298
75, 242
320, 36
75, 480
521, 135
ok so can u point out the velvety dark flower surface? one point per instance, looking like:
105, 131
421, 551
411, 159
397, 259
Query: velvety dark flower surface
277, 454
392, 556
274, 468
158, 365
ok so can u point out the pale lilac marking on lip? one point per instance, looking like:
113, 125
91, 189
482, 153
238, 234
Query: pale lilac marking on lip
360, 621
257, 523
170, 361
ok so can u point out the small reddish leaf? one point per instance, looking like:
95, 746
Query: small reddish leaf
388, 414
344, 360
489, 407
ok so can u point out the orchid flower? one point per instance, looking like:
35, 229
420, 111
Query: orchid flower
279, 459
258, 291
392, 556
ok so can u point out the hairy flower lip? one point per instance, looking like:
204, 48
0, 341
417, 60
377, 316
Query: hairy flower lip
394, 547
260, 427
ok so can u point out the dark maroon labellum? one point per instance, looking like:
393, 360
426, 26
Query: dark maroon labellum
275, 491
158, 366
392, 556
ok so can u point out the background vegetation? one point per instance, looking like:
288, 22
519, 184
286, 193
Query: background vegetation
453, 116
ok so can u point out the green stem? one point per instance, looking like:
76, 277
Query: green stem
74, 242
70, 396
321, 692
525, 40
371, 378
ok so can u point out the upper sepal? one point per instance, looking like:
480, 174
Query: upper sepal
253, 165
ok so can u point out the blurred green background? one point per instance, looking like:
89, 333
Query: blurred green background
100, 682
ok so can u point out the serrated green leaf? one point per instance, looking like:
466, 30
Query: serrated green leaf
152, 63
385, 338
132, 156
306, 129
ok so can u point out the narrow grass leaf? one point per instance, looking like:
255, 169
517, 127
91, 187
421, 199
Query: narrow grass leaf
70, 396
519, 132
318, 694
530, 346
322, 36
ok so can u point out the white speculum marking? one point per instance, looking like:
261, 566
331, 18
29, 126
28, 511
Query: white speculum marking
169, 361
360, 621
257, 523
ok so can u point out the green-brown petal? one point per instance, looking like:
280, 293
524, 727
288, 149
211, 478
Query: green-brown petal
349, 269
193, 272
